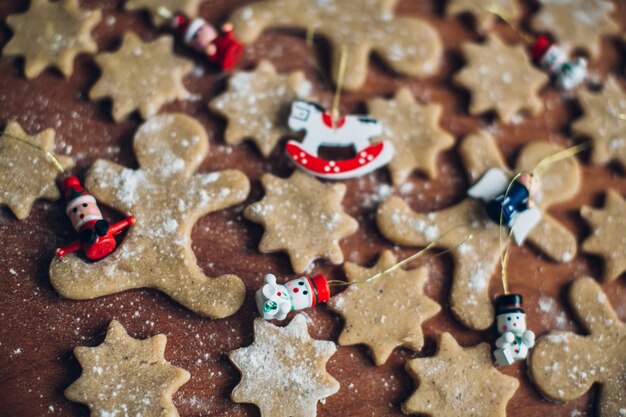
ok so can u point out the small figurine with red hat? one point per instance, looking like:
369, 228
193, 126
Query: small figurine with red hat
96, 235
568, 73
221, 48
514, 341
274, 300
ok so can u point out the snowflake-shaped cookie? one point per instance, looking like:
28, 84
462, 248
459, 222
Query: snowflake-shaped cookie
26, 173
409, 46
576, 23
476, 259
564, 365
604, 121
52, 34
608, 237
303, 217
187, 7
141, 76
501, 77
127, 377
484, 11
386, 312
257, 104
284, 370
414, 131
459, 382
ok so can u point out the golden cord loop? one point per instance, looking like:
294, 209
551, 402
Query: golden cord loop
50, 156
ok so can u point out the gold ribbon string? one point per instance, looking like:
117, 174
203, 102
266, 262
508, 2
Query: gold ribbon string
50, 156
494, 9
341, 74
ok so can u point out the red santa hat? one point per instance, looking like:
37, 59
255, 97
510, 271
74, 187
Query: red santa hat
540, 47
74, 193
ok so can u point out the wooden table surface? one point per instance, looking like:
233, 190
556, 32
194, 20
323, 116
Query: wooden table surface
39, 329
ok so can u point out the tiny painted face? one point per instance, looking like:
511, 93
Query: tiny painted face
512, 322
204, 36
300, 293
84, 211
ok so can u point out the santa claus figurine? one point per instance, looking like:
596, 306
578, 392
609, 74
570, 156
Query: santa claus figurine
96, 235
274, 300
515, 340
568, 73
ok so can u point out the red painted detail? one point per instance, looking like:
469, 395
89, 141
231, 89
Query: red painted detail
296, 290
323, 289
103, 246
321, 166
540, 47
228, 51
327, 118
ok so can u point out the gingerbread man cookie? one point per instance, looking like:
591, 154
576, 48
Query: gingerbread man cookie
564, 365
409, 46
302, 216
608, 234
459, 382
127, 377
484, 11
501, 78
386, 312
187, 7
476, 259
414, 148
284, 370
52, 34
257, 104
166, 198
26, 174
141, 75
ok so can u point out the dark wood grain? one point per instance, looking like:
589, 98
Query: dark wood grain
39, 329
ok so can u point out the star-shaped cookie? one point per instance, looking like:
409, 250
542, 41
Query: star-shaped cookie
26, 173
500, 77
386, 312
52, 34
141, 75
484, 11
459, 382
257, 104
564, 365
576, 23
608, 236
408, 45
187, 7
414, 131
303, 217
127, 377
284, 370
604, 121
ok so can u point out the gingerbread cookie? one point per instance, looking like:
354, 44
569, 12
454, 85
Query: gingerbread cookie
564, 365
476, 259
303, 217
141, 75
604, 121
500, 77
127, 377
386, 312
414, 148
52, 34
187, 7
576, 23
458, 382
607, 238
409, 46
166, 198
257, 103
26, 173
484, 11
284, 370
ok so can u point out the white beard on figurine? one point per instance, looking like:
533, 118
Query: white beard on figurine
515, 340
274, 301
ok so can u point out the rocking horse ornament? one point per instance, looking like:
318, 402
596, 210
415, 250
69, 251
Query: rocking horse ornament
323, 130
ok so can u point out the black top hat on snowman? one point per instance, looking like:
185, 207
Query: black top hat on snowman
509, 303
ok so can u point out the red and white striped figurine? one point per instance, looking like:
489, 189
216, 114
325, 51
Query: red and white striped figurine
568, 73
221, 48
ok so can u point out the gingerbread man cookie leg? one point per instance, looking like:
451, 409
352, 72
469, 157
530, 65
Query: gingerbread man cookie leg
167, 198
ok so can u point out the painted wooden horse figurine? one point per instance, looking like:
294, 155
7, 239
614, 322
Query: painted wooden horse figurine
322, 130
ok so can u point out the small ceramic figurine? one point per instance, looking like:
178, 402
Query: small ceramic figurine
347, 131
96, 235
568, 73
514, 341
512, 204
221, 48
274, 300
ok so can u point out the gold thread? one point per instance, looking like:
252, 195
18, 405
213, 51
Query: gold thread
49, 154
341, 73
492, 8
544, 163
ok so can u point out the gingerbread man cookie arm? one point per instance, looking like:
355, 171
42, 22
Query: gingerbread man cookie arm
553, 239
480, 153
108, 181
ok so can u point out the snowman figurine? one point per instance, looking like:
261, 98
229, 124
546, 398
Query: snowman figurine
274, 300
514, 341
